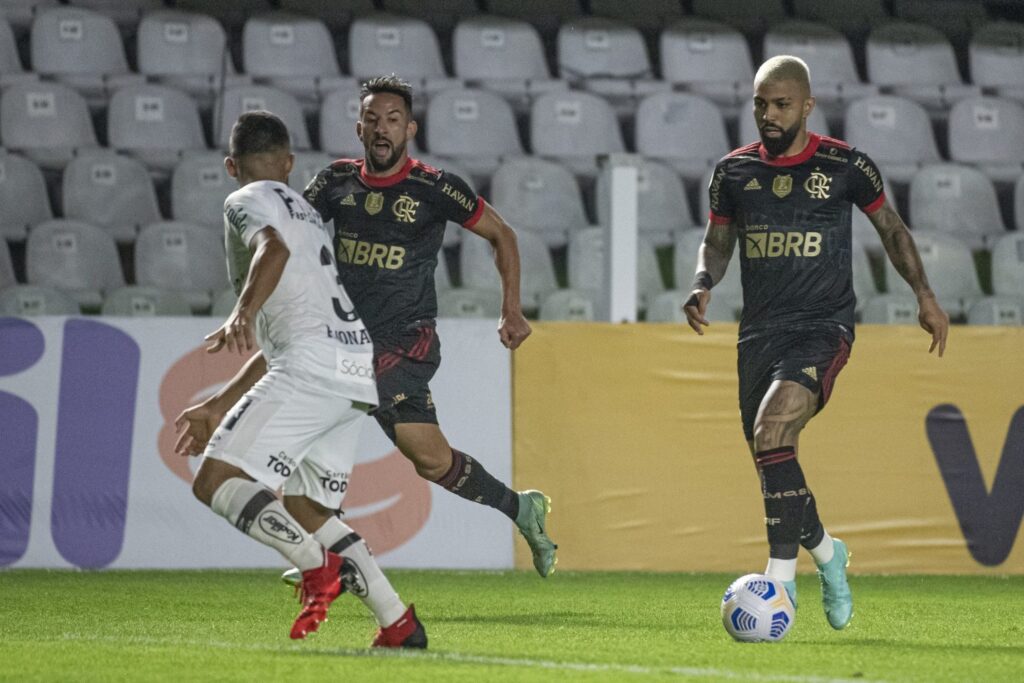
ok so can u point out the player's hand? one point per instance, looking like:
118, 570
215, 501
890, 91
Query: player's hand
513, 329
933, 320
696, 308
195, 426
236, 334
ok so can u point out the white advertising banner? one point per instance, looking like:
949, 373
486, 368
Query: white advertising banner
87, 408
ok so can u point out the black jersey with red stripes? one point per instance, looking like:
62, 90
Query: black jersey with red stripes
387, 235
793, 217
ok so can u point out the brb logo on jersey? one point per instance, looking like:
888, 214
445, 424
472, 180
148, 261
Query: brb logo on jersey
764, 243
360, 253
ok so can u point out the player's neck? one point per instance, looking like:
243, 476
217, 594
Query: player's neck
390, 171
800, 142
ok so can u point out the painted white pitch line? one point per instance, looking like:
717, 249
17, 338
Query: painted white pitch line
461, 658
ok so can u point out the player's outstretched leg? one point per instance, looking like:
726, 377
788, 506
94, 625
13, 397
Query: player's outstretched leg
835, 590
407, 632
534, 507
320, 587
790, 587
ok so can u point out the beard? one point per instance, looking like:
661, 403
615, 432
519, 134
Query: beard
779, 145
388, 162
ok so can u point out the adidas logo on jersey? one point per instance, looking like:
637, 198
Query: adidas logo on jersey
811, 372
349, 201
752, 185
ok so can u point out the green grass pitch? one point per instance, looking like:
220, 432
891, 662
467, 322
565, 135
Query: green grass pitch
499, 626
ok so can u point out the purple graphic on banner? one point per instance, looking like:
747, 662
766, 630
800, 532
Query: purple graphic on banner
21, 345
98, 381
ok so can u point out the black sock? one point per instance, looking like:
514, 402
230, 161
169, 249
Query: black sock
811, 530
468, 479
785, 499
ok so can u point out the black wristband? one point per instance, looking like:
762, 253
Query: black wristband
692, 301
702, 280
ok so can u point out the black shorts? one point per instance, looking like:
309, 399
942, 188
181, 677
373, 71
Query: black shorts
812, 356
404, 365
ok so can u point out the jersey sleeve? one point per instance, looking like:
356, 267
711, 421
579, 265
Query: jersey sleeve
247, 212
866, 188
458, 202
316, 193
721, 205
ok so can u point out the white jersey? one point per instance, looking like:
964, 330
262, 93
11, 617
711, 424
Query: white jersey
308, 326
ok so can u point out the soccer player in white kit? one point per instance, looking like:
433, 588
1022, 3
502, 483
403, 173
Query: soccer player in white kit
291, 417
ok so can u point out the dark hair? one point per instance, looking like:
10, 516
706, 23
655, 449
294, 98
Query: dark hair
390, 84
258, 131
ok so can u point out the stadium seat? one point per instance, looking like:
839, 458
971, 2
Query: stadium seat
539, 195
988, 132
382, 44
23, 198
1008, 265
469, 303
950, 269
125, 13
585, 260
916, 61
890, 309
199, 186
856, 17
139, 302
574, 127
546, 15
956, 200
1018, 203
235, 101
996, 55
476, 127
816, 122
683, 130
608, 58
441, 14
505, 56
188, 51
337, 14
650, 15
75, 257
223, 303
183, 258
48, 122
453, 231
20, 13
110, 191
727, 295
738, 13
307, 165
232, 14
956, 19
895, 132
11, 69
7, 276
996, 310
667, 307
662, 206
567, 305
864, 287
537, 272
292, 52
83, 49
339, 113
709, 58
156, 124
31, 300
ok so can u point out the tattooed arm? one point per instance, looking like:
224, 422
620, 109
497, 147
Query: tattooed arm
712, 260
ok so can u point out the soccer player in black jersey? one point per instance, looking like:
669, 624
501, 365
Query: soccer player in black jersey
389, 214
788, 200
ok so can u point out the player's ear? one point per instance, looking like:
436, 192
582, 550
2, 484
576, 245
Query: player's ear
359, 128
411, 128
231, 167
809, 106
289, 164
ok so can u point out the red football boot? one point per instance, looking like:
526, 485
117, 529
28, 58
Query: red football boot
320, 587
406, 632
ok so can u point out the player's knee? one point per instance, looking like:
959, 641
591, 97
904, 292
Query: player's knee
774, 434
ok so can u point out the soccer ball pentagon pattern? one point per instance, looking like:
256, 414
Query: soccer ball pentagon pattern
755, 608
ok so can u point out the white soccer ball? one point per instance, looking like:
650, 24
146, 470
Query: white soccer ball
755, 608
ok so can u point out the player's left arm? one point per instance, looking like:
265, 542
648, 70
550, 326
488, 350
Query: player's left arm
513, 328
901, 250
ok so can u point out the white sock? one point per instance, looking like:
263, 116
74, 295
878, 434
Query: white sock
823, 552
254, 510
369, 583
783, 570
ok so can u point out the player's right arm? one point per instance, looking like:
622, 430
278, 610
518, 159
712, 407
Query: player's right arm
712, 261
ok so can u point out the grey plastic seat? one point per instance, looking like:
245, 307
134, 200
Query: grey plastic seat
662, 206
463, 302
709, 58
648, 15
23, 198
539, 195
77, 258
81, 48
475, 127
381, 44
546, 15
142, 302
186, 50
111, 191
307, 165
890, 309
199, 186
223, 303
183, 258
292, 52
585, 260
20, 13
339, 113
567, 305
7, 276
235, 101
48, 122
727, 295
997, 58
988, 132
11, 69
574, 127
156, 124
996, 310
817, 122
738, 13
856, 18
1008, 265
125, 13
1018, 202
441, 14
916, 61
956, 200
684, 130
895, 132
32, 300
950, 269
537, 272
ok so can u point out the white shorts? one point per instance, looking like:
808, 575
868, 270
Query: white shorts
290, 433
